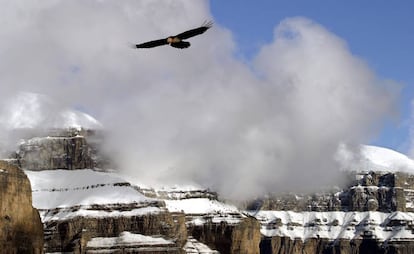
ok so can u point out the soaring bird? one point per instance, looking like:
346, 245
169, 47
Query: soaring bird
177, 40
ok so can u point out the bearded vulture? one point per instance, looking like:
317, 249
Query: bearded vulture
177, 40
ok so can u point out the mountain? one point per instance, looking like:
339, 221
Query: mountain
373, 213
86, 208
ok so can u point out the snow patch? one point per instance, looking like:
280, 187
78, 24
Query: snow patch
337, 225
199, 206
203, 210
87, 212
126, 239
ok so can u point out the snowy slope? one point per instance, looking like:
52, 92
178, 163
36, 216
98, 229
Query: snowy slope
200, 210
386, 159
373, 158
57, 192
127, 239
199, 206
65, 189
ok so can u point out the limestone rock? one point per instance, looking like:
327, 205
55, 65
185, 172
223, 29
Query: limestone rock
21, 228
72, 235
55, 153
243, 237
285, 245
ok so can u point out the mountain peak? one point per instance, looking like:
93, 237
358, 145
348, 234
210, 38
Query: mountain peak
388, 159
32, 110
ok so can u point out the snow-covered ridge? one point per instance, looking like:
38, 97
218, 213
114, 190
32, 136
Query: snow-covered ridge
70, 179
69, 188
384, 158
337, 225
374, 158
64, 194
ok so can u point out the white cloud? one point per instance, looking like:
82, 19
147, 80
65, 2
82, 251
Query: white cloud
197, 114
411, 131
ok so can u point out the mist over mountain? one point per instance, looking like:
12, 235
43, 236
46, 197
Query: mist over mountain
199, 115
85, 206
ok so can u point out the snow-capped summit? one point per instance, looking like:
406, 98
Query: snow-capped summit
374, 158
77, 119
31, 110
387, 158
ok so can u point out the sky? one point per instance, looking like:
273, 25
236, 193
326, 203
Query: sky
260, 102
379, 32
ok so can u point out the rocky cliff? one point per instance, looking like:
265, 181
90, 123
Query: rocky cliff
85, 208
368, 216
21, 228
75, 234
60, 168
242, 237
59, 150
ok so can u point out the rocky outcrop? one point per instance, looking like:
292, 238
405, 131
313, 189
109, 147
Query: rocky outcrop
381, 198
73, 235
243, 237
320, 201
83, 210
285, 245
335, 232
375, 191
370, 191
81, 227
62, 149
21, 230
55, 153
128, 242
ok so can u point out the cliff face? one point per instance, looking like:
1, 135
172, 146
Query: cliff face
21, 228
55, 153
85, 209
370, 191
285, 245
75, 225
243, 237
74, 234
368, 216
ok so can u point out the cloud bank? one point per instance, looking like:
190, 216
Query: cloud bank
197, 115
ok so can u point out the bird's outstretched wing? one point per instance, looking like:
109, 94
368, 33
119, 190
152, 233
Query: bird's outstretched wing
195, 31
151, 44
